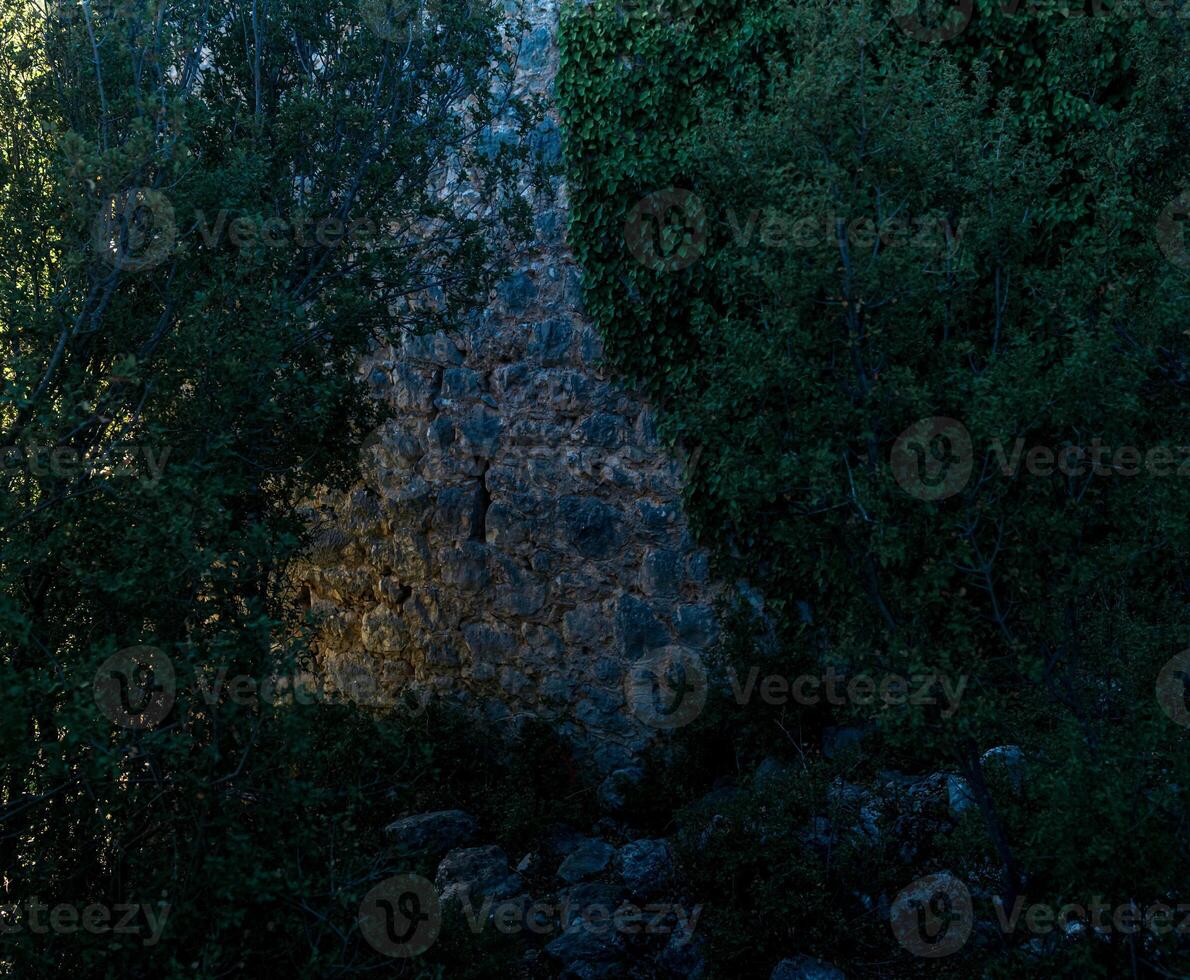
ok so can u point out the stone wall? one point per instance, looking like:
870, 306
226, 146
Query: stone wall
519, 542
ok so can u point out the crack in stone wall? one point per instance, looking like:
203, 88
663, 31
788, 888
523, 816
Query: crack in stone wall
519, 542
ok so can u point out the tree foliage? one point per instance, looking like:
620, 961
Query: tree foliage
896, 296
208, 212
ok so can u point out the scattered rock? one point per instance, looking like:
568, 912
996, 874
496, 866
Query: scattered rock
806, 968
588, 950
588, 899
919, 807
1007, 761
646, 866
561, 840
858, 804
615, 789
587, 860
476, 873
959, 796
682, 957
432, 834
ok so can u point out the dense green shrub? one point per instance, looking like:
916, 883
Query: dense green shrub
855, 232
208, 212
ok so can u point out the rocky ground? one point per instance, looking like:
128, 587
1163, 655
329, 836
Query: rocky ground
608, 901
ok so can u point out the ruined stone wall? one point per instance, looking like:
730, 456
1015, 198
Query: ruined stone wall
520, 542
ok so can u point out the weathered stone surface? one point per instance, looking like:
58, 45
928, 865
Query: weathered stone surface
696, 625
518, 540
590, 527
637, 627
